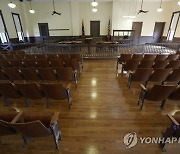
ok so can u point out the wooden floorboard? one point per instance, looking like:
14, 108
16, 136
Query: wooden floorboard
103, 111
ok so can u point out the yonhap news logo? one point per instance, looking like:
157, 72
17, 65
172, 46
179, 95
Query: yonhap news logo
131, 139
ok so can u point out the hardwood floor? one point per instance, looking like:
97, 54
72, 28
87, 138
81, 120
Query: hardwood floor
103, 111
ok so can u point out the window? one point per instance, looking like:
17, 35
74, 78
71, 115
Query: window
18, 26
173, 25
4, 37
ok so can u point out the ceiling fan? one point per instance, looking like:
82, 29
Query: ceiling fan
141, 10
55, 12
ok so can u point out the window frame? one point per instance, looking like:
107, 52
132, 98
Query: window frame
169, 30
16, 26
5, 28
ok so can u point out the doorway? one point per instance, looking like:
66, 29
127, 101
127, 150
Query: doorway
43, 30
95, 28
158, 31
137, 27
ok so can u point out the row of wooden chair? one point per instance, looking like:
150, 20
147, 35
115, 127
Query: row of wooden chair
159, 93
41, 56
150, 75
30, 125
48, 74
155, 57
39, 63
35, 91
12, 52
132, 65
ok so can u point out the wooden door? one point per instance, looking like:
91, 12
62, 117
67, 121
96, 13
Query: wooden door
95, 28
137, 26
158, 31
43, 30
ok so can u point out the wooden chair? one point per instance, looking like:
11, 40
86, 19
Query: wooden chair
4, 64
47, 74
19, 56
30, 74
160, 57
155, 93
56, 91
16, 63
29, 56
42, 63
149, 56
174, 77
67, 75
30, 91
160, 64
56, 62
173, 130
146, 64
8, 91
140, 75
172, 57
13, 74
175, 95
174, 64
3, 76
52, 56
159, 76
137, 56
123, 59
40, 56
130, 65
9, 117
36, 125
29, 63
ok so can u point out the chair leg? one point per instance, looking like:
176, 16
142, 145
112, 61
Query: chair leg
162, 104
122, 70
56, 134
25, 139
75, 80
142, 103
129, 81
69, 98
27, 102
47, 102
170, 132
5, 101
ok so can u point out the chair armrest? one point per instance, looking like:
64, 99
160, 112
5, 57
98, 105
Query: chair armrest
130, 72
143, 87
75, 71
54, 118
173, 120
68, 86
17, 117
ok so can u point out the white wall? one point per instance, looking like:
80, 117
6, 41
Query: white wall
103, 15
74, 12
120, 9
6, 11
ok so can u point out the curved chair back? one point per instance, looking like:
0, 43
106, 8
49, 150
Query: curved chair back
159, 92
146, 64
175, 95
30, 74
160, 64
47, 74
54, 91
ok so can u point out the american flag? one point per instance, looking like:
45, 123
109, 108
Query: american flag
83, 32
109, 31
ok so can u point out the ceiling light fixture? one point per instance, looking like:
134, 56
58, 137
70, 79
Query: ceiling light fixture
94, 3
179, 3
31, 10
12, 5
94, 9
160, 8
